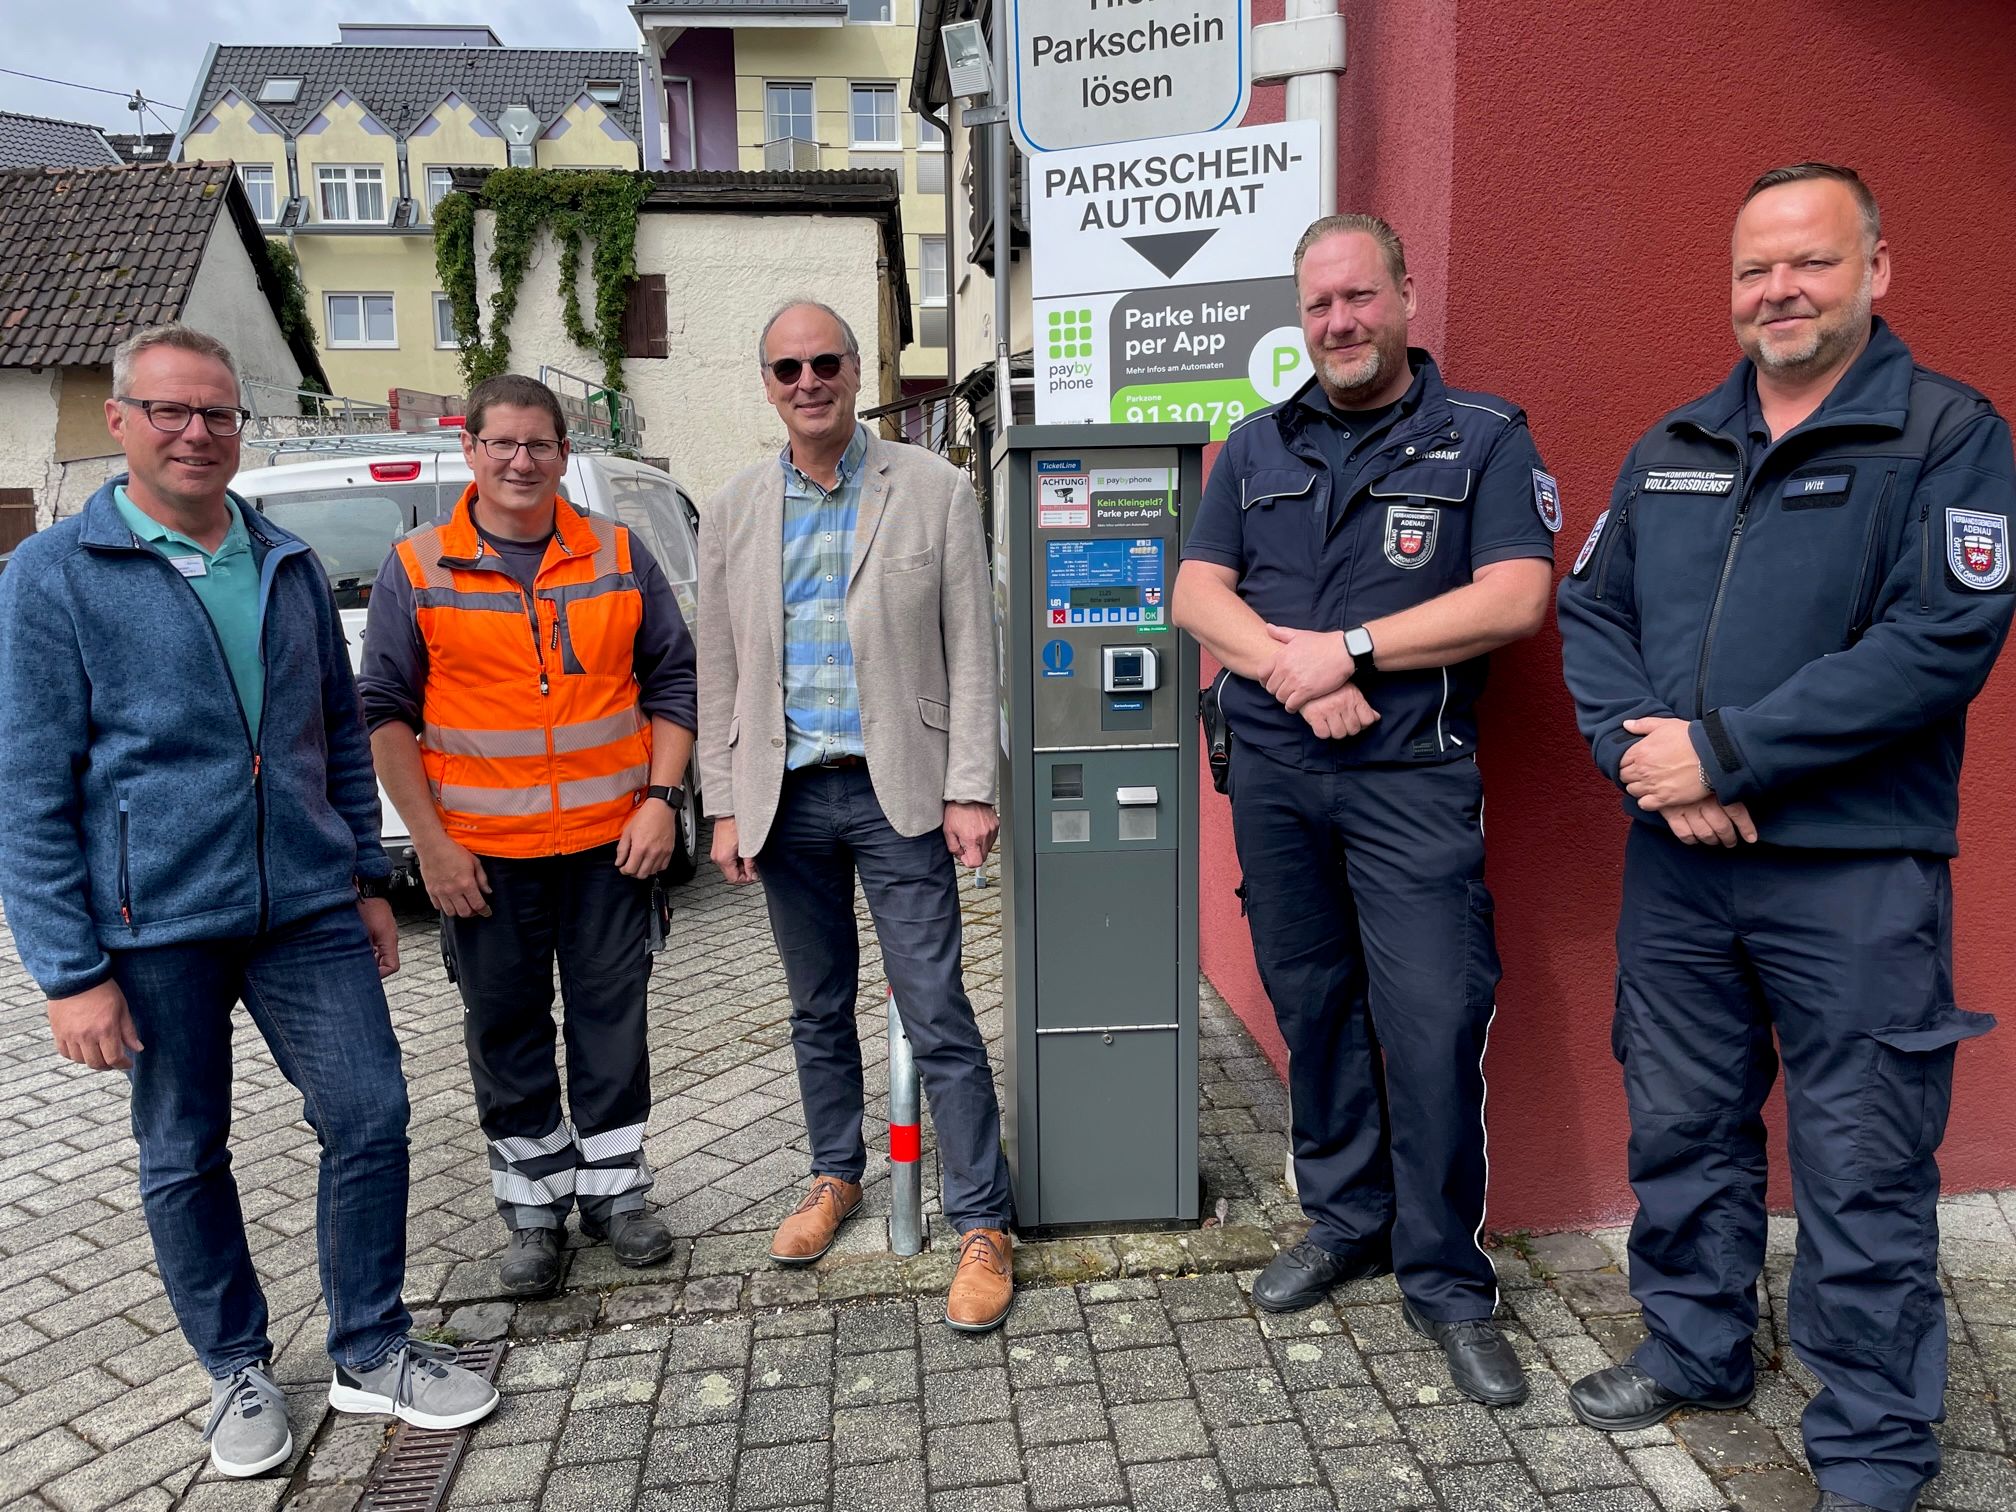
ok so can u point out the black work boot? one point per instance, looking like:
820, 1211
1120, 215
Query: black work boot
638, 1238
1624, 1397
1302, 1275
531, 1263
1482, 1364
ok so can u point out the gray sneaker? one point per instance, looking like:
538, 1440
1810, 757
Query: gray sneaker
247, 1430
418, 1383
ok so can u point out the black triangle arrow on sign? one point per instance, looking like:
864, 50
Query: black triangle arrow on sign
1172, 249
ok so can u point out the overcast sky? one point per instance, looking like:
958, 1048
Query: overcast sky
156, 48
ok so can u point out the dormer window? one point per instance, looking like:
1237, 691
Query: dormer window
280, 92
602, 92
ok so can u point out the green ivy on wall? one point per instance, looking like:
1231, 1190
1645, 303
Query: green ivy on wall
598, 208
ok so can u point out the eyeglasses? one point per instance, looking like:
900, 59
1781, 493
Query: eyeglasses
165, 415
500, 450
826, 365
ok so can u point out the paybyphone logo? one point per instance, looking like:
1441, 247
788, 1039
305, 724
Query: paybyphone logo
1070, 334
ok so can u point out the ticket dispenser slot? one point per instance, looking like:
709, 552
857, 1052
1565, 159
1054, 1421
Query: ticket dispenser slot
1099, 823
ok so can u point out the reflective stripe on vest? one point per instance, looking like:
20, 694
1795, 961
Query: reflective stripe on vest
532, 738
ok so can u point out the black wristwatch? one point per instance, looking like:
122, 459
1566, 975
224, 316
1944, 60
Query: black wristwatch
674, 797
373, 887
1358, 641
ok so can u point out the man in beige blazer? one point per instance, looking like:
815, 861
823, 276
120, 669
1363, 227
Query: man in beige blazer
847, 721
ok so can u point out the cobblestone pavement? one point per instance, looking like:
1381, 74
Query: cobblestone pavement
1133, 1371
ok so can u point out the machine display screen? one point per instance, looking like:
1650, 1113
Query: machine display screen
1104, 582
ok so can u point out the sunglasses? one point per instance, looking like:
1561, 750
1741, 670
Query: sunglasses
825, 365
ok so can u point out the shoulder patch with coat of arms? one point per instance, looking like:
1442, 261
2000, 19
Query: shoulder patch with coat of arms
1589, 546
1977, 549
1547, 500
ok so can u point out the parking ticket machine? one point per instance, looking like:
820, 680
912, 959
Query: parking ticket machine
1099, 781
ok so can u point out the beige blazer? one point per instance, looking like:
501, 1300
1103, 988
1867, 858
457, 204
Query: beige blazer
919, 614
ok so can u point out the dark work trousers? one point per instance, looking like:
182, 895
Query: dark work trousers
1849, 956
828, 827
1372, 929
590, 916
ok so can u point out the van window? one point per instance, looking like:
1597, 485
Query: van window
649, 505
351, 529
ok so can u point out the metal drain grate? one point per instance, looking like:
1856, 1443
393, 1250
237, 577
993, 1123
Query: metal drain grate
413, 1475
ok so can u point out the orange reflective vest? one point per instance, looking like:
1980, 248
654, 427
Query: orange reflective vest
532, 738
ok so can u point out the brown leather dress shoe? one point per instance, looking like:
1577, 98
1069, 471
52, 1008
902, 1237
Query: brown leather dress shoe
983, 1287
808, 1233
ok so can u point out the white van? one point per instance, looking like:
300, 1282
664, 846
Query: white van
352, 497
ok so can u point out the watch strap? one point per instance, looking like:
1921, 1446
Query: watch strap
673, 795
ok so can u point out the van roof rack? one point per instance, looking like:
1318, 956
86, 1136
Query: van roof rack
303, 422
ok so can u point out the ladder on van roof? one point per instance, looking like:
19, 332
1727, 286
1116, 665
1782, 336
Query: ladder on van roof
297, 422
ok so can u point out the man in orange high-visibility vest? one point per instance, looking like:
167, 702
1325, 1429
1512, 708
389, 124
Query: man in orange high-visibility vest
528, 683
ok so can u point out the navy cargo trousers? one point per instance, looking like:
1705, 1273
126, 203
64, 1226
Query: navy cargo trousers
1848, 956
1372, 928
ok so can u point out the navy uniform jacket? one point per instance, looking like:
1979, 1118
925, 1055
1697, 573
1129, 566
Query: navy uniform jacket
1455, 484
1822, 608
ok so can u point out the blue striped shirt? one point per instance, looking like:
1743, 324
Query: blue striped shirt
822, 705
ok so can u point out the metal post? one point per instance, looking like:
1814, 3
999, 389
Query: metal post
1004, 148
906, 1170
1312, 96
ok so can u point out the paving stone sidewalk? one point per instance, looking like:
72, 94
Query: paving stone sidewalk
1134, 1371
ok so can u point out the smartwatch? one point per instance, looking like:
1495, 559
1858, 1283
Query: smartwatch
674, 797
373, 887
1358, 641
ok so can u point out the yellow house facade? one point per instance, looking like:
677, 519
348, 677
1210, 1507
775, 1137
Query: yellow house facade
344, 150
817, 85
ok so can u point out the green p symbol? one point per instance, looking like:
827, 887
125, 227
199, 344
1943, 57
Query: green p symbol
1286, 360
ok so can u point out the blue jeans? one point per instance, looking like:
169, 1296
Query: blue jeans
829, 826
312, 988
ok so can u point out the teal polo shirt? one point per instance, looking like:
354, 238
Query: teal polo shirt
227, 585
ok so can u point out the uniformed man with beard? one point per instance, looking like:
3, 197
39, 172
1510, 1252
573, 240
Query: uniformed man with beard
1772, 636
1360, 548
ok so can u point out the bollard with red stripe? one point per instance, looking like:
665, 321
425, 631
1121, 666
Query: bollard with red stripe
906, 1170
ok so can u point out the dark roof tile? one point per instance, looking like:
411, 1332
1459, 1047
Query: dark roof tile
87, 255
400, 86
28, 141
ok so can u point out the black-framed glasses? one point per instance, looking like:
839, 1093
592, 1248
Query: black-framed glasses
500, 450
167, 415
826, 365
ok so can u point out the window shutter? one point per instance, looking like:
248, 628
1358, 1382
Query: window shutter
656, 341
644, 317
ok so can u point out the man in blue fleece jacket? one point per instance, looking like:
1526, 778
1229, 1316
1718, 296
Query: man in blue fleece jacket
188, 820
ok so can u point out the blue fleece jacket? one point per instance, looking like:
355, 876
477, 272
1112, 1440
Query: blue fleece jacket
136, 807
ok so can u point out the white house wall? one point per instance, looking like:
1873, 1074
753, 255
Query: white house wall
28, 432
227, 302
702, 405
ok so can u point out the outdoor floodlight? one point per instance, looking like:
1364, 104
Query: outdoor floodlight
966, 60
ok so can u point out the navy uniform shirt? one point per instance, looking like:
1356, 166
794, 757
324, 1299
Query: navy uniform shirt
1330, 522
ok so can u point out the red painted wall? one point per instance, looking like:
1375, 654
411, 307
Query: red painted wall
1564, 176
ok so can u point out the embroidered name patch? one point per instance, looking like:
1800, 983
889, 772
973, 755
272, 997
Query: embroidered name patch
1977, 549
1687, 480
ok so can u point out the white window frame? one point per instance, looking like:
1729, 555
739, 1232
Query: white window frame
894, 141
924, 271
272, 183
811, 110
923, 125
364, 342
351, 177
430, 198
441, 308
